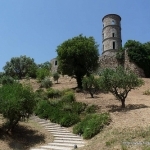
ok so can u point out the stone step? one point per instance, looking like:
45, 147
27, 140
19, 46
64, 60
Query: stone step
69, 141
66, 138
66, 144
56, 147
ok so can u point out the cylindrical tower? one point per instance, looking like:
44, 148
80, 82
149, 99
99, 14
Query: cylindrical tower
111, 33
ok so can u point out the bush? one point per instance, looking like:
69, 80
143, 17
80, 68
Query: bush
91, 109
40, 94
68, 97
147, 92
46, 83
56, 76
7, 80
69, 119
16, 102
91, 125
42, 73
52, 93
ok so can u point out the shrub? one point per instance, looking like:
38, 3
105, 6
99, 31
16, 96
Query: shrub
91, 125
147, 92
40, 94
16, 102
68, 97
69, 119
46, 83
7, 80
56, 76
52, 93
78, 107
42, 73
91, 109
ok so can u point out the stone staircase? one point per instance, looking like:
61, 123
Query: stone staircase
63, 139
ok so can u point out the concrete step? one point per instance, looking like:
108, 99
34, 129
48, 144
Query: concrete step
69, 136
58, 130
39, 149
66, 144
63, 133
56, 147
68, 141
66, 138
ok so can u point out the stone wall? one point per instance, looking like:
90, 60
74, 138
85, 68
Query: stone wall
108, 60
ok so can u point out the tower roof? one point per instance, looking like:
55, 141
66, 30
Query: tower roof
110, 15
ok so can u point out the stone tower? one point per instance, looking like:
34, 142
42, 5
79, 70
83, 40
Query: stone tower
111, 33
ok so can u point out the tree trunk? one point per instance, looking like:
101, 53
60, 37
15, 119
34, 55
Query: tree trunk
79, 82
91, 94
123, 103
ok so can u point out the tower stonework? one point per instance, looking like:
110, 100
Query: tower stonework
111, 40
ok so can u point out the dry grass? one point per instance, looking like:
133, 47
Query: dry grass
128, 125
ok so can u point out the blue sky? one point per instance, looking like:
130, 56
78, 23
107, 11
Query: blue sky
36, 27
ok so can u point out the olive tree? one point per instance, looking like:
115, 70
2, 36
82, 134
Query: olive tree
119, 82
17, 102
77, 57
20, 67
91, 85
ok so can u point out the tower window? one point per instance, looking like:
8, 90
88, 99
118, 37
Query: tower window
103, 36
56, 63
103, 47
113, 45
113, 22
113, 34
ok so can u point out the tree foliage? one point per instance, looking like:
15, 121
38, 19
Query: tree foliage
77, 57
119, 82
20, 67
91, 85
16, 102
140, 54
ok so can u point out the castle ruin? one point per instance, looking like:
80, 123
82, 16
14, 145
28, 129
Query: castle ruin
111, 43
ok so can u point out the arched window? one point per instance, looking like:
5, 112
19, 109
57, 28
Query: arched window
113, 34
103, 47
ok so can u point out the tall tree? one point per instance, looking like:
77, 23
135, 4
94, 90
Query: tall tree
78, 57
20, 67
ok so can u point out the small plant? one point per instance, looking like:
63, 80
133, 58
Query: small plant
46, 83
147, 92
56, 76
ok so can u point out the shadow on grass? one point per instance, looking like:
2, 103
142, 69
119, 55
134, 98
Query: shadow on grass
22, 138
114, 108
